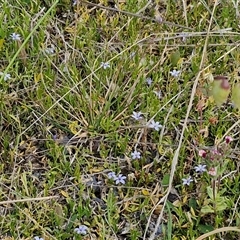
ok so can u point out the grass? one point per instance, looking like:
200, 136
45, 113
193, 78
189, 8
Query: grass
66, 122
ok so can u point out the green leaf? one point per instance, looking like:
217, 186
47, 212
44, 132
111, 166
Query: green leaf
221, 170
207, 209
1, 43
220, 89
221, 204
195, 66
205, 228
165, 180
210, 192
174, 58
236, 96
193, 203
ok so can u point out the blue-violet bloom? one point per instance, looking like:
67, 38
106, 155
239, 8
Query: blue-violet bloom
136, 155
187, 181
137, 115
200, 168
15, 37
6, 76
158, 94
156, 125
82, 229
38, 238
175, 73
111, 175
120, 179
149, 81
105, 65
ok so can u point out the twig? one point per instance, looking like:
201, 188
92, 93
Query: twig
219, 230
28, 200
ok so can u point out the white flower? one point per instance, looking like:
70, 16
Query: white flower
6, 77
105, 65
155, 125
132, 54
15, 37
65, 69
187, 181
111, 175
82, 229
120, 179
38, 238
137, 115
136, 155
50, 50
75, 2
200, 168
158, 93
149, 81
175, 73
184, 36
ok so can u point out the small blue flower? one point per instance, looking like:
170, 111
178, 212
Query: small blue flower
149, 81
50, 50
82, 229
132, 54
156, 125
111, 175
120, 179
136, 155
158, 94
75, 2
175, 73
187, 181
200, 168
184, 36
15, 37
6, 76
105, 65
137, 115
38, 238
